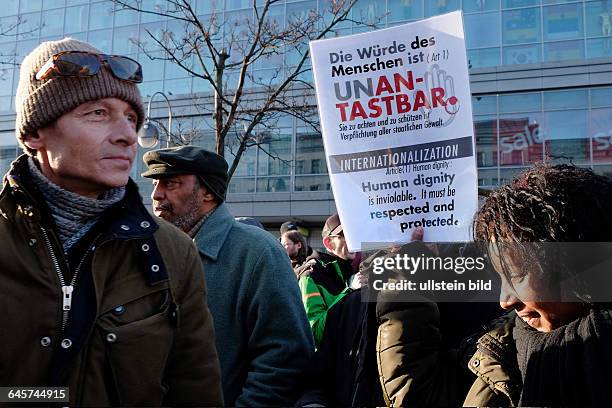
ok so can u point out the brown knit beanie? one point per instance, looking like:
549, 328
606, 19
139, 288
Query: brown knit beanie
40, 103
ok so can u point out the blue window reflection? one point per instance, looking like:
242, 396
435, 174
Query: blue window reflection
566, 99
600, 130
563, 22
525, 102
566, 136
484, 57
77, 19
601, 97
470, 6
564, 51
482, 30
519, 3
435, 7
484, 104
598, 16
599, 48
400, 10
522, 54
521, 26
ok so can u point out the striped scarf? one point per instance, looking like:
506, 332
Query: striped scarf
73, 214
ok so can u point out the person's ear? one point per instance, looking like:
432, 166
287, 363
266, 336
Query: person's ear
208, 196
33, 140
328, 244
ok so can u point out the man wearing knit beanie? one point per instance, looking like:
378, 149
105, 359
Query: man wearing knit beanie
97, 295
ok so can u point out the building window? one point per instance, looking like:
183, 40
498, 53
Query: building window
402, 10
77, 19
7, 155
567, 136
312, 183
482, 30
522, 102
521, 26
564, 51
241, 185
53, 23
600, 132
563, 22
485, 129
435, 7
598, 17
521, 139
484, 57
101, 16
519, 3
471, 6
522, 54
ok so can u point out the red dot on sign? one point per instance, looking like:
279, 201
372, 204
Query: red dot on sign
452, 100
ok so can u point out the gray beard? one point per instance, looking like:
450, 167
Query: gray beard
190, 219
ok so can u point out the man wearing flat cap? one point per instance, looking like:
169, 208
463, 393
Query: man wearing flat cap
263, 337
96, 294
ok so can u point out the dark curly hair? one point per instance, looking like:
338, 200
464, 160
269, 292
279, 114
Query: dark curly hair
546, 204
559, 203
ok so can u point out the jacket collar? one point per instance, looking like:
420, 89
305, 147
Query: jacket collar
495, 361
19, 195
213, 234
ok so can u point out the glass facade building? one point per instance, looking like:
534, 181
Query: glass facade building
541, 75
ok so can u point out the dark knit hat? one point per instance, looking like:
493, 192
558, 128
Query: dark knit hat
40, 102
208, 166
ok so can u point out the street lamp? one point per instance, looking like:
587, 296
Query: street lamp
148, 136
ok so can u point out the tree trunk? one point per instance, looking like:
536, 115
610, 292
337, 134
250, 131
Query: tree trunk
218, 115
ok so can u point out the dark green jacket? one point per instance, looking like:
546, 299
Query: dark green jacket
497, 380
325, 283
569, 366
138, 331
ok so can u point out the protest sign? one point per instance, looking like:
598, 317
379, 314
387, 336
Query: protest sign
396, 117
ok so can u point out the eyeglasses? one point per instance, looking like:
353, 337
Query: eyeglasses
86, 64
338, 235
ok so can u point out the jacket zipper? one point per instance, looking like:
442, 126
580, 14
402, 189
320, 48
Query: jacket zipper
67, 290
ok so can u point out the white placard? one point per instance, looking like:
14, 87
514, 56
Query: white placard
396, 117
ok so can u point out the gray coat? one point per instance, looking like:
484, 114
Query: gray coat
263, 337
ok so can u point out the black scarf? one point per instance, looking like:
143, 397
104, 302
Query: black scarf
570, 366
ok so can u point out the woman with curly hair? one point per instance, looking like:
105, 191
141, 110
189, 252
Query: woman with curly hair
546, 235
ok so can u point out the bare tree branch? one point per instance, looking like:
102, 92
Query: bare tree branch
241, 59
11, 30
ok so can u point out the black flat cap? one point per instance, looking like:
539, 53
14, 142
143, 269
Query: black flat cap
210, 167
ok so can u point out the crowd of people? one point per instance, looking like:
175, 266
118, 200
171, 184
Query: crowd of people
190, 306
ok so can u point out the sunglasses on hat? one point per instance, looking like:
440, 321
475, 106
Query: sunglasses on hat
86, 64
336, 232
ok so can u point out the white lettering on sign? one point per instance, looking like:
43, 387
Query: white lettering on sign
603, 140
522, 140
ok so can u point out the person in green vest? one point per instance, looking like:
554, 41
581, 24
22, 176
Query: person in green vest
325, 278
